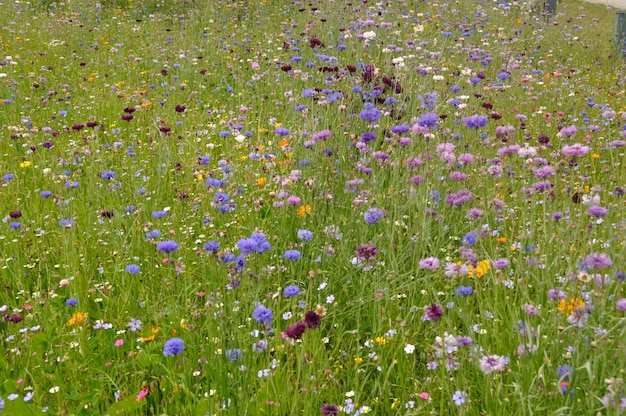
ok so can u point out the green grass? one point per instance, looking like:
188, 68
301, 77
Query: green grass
164, 84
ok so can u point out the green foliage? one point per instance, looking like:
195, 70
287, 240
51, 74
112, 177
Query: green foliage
131, 113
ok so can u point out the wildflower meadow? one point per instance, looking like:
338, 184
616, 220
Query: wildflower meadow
311, 207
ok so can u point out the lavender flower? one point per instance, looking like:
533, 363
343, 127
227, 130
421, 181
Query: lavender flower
598, 261
373, 215
491, 363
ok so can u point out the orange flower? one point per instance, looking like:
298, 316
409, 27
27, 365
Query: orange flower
303, 210
261, 182
78, 318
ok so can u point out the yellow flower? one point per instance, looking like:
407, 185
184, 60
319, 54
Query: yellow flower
358, 360
78, 318
568, 306
26, 164
380, 340
481, 268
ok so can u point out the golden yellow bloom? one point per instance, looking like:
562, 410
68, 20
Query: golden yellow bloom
78, 318
481, 268
380, 340
261, 181
568, 306
358, 360
25, 164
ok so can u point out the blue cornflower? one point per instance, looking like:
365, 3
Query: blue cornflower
173, 347
71, 302
262, 314
132, 269
281, 131
464, 290
153, 234
305, 235
234, 355
45, 194
469, 239
291, 291
15, 225
292, 255
167, 246
159, 214
108, 174
212, 246
67, 223
373, 215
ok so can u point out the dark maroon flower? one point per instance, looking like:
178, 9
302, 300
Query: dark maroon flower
78, 127
165, 129
180, 108
543, 139
434, 312
107, 214
296, 330
330, 409
130, 110
314, 42
285, 68
312, 320
92, 124
15, 318
15, 214
487, 105
127, 117
351, 69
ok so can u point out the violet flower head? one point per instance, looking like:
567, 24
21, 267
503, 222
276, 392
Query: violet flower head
434, 312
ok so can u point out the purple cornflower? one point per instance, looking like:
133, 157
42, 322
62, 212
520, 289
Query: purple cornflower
569, 131
597, 211
460, 198
15, 225
281, 131
500, 264
330, 409
598, 261
262, 314
321, 135
474, 122
132, 269
291, 291
575, 150
368, 136
292, 255
173, 347
434, 312
71, 302
167, 246
621, 305
373, 215
491, 363
429, 263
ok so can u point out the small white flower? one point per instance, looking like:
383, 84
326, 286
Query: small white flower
54, 389
409, 348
